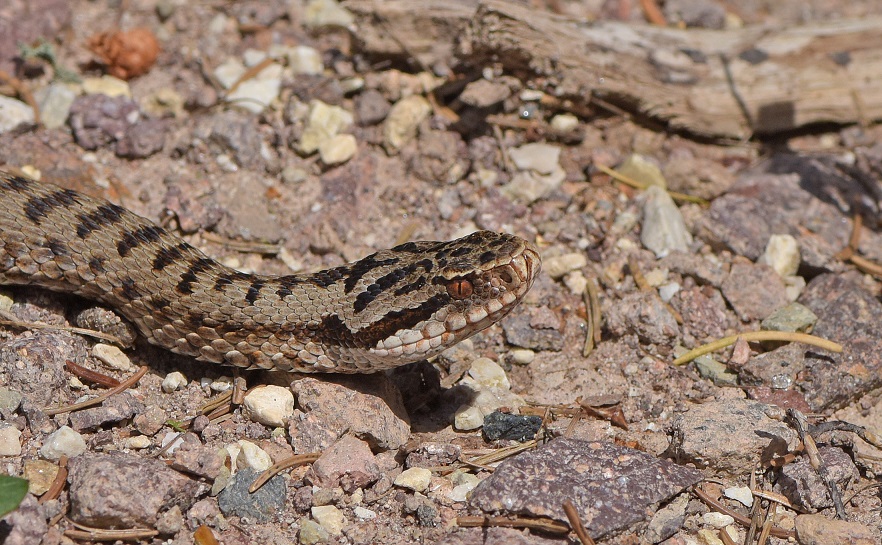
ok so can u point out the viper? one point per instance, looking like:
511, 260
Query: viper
391, 308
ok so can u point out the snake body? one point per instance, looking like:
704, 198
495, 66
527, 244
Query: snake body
393, 307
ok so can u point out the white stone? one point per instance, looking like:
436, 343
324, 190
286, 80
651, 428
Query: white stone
322, 123
415, 478
13, 113
528, 186
5, 301
782, 254
138, 442
487, 373
664, 229
522, 356
106, 85
54, 101
539, 157
668, 291
250, 455
364, 514
270, 405
557, 266
641, 170
330, 518
463, 485
63, 442
173, 382
403, 121
717, 520
176, 439
112, 356
564, 122
221, 383
323, 13
255, 95
229, 72
305, 60
576, 282
740, 494
10, 440
338, 149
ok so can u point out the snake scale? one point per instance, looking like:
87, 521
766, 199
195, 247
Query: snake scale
393, 307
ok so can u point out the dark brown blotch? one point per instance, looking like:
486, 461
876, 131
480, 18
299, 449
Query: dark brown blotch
254, 291
15, 183
167, 256
131, 239
130, 290
189, 277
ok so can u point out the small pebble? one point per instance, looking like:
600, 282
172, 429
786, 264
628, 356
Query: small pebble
112, 356
54, 101
641, 170
13, 113
488, 373
463, 484
782, 254
792, 317
322, 123
305, 60
740, 494
668, 291
564, 123
221, 384
106, 85
403, 120
327, 13
338, 149
63, 442
522, 356
252, 456
9, 400
330, 518
311, 532
540, 157
664, 229
576, 282
270, 405
557, 266
138, 442
40, 475
717, 520
173, 382
10, 440
415, 478
364, 514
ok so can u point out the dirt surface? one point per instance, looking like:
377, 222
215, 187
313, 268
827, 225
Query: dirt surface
332, 148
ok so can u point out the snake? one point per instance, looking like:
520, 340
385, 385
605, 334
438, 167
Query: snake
391, 308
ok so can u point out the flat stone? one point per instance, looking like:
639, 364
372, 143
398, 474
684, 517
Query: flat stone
729, 435
782, 254
820, 530
10, 440
117, 491
368, 407
663, 229
348, 463
113, 357
54, 101
414, 478
754, 291
557, 266
173, 382
117, 408
330, 518
793, 317
338, 149
644, 314
802, 485
40, 475
536, 483
262, 506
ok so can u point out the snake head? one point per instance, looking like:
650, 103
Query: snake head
471, 283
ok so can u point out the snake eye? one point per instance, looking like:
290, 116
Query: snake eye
459, 288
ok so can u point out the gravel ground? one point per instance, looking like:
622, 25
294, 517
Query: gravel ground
272, 138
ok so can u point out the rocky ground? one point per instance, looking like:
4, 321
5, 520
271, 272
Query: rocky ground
278, 137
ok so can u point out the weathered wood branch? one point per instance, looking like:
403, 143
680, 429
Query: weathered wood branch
720, 84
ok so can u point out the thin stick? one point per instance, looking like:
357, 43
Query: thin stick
752, 336
58, 483
543, 524
277, 468
638, 185
100, 399
91, 376
576, 523
10, 321
739, 518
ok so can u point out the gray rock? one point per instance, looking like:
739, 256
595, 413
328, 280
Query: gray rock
611, 486
142, 139
54, 101
754, 291
35, 365
261, 506
99, 120
667, 520
115, 409
643, 314
371, 107
802, 484
14, 113
728, 435
520, 332
663, 230
26, 525
119, 491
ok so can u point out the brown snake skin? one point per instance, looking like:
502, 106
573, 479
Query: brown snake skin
393, 307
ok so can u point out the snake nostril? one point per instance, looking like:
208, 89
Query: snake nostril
506, 277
